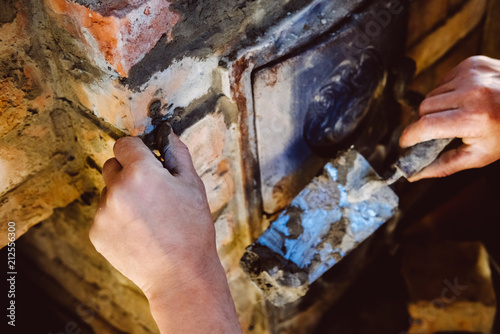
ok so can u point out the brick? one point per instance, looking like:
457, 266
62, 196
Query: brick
39, 178
449, 285
440, 41
24, 92
123, 41
21, 154
94, 142
35, 200
207, 142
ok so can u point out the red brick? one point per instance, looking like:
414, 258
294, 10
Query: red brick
123, 41
207, 142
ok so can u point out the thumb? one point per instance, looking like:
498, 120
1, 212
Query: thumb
448, 163
175, 154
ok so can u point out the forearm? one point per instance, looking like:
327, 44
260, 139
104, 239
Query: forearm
199, 302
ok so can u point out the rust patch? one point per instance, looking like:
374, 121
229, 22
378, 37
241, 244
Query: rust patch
239, 68
271, 77
250, 167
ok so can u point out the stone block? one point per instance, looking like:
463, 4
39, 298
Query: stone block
35, 200
22, 154
48, 164
95, 142
449, 285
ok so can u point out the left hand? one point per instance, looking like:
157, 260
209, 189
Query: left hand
465, 105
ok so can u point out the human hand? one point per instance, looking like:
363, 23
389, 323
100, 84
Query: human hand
153, 224
466, 105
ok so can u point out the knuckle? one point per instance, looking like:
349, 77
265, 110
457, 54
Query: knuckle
474, 61
107, 165
408, 135
123, 141
480, 90
425, 106
134, 173
424, 122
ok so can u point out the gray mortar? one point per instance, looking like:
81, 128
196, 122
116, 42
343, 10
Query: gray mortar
56, 52
209, 26
118, 8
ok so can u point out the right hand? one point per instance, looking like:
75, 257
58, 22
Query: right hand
465, 105
153, 224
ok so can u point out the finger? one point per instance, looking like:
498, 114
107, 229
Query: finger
447, 87
93, 232
129, 150
442, 102
110, 170
451, 76
174, 152
448, 163
459, 70
102, 199
445, 124
177, 158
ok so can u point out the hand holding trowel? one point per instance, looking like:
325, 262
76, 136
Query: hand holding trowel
335, 213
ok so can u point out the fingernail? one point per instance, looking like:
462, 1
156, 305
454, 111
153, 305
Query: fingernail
414, 178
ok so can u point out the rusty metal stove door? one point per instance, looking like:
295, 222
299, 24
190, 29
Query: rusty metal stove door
335, 90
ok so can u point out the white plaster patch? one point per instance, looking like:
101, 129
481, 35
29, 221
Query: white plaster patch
183, 82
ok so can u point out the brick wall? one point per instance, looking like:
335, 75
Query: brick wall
77, 75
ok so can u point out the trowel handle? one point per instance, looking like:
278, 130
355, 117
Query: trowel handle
419, 156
